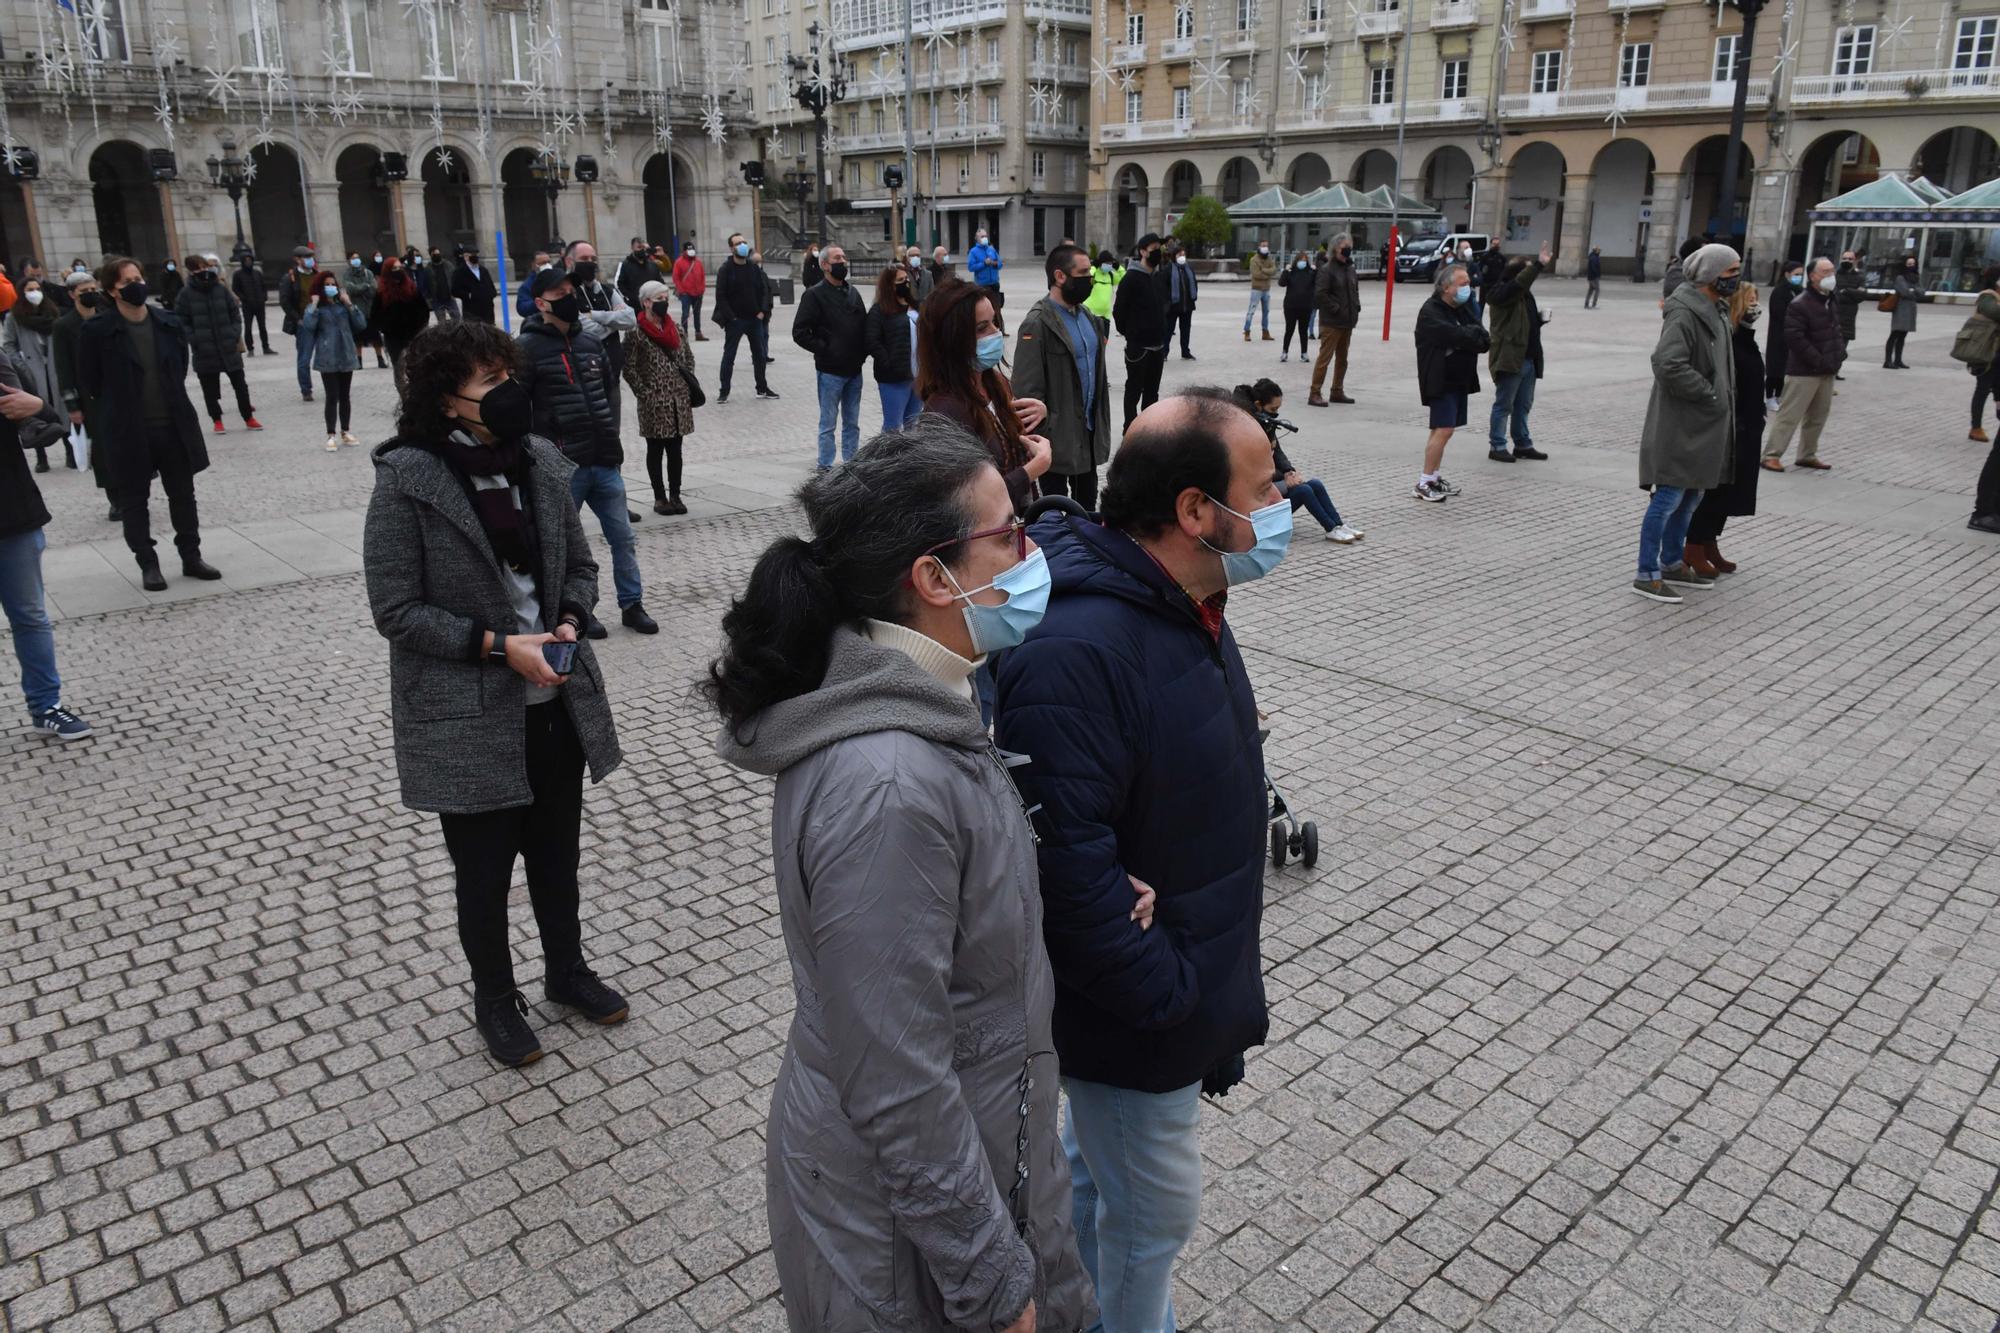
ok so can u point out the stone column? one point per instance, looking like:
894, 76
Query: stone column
324, 196
1489, 201
1773, 193
1573, 242
1661, 240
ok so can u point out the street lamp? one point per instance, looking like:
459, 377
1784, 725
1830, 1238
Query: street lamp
552, 174
230, 172
1732, 155
819, 80
801, 187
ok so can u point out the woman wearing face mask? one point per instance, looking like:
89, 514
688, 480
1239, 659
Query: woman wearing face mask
1791, 281
658, 365
27, 335
481, 579
891, 339
914, 1175
1736, 497
1297, 280
401, 312
809, 274
1908, 286
1104, 280
359, 284
959, 349
334, 325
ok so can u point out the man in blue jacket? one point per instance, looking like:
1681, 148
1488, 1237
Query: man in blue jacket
983, 262
1131, 704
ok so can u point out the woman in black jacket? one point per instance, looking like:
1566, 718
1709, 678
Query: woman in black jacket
1738, 497
890, 336
401, 312
1298, 284
1450, 341
214, 332
1791, 281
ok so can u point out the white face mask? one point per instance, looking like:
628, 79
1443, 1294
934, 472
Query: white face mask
1180, 259
1263, 249
1826, 283
34, 298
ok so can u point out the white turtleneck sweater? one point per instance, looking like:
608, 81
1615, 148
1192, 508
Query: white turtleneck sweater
954, 671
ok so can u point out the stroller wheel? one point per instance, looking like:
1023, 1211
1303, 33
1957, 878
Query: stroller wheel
1278, 845
1309, 844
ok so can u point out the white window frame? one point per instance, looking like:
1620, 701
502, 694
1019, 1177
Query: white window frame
1135, 30
993, 108
1135, 109
109, 41
437, 45
1184, 23
1246, 15
1455, 79
1726, 47
259, 50
1381, 85
1854, 51
1545, 72
1038, 166
1635, 64
964, 170
992, 167
513, 50
344, 15
1183, 106
1978, 43
1312, 93
1315, 14
1242, 95
992, 50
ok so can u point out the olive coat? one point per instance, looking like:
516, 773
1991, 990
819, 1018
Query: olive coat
1691, 419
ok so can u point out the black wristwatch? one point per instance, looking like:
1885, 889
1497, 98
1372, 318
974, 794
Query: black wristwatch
498, 653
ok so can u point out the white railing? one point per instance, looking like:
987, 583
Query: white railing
1547, 9
859, 23
1238, 40
1131, 53
1062, 11
1634, 6
1177, 48
986, 130
1313, 32
1049, 70
1656, 97
1430, 110
1895, 85
1378, 22
1447, 14
1138, 131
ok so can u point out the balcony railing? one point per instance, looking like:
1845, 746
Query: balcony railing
858, 23
1050, 71
1906, 85
1058, 131
1655, 97
1378, 22
1532, 10
1433, 111
1634, 6
989, 71
1142, 131
1131, 53
1177, 48
1060, 11
1449, 14
1314, 32
1238, 40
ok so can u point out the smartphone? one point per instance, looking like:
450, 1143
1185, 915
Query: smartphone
560, 657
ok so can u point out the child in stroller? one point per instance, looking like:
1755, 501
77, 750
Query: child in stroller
1264, 400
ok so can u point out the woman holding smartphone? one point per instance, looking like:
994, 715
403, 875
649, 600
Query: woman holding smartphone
334, 324
481, 579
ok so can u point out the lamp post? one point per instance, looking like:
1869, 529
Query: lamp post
231, 173
1732, 155
552, 174
801, 187
819, 80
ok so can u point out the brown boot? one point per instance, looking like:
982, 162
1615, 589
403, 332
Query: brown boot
1978, 433
1714, 554
1314, 400
1267, 336
1246, 335
1696, 555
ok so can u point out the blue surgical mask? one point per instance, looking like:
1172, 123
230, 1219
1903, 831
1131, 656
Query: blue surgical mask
996, 628
1464, 293
991, 351
743, 251
1273, 526
1797, 279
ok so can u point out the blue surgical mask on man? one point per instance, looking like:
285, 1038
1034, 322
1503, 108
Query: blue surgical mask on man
992, 349
1464, 293
997, 628
742, 250
1273, 528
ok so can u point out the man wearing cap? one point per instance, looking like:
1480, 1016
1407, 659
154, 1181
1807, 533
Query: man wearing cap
569, 385
1140, 311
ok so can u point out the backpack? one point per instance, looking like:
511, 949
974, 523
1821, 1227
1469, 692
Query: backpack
1977, 342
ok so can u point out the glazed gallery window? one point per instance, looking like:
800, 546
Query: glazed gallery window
1854, 50
1457, 80
1546, 75
1635, 65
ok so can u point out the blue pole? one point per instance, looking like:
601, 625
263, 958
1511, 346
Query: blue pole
500, 272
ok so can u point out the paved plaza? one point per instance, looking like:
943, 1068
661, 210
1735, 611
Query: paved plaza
1646, 980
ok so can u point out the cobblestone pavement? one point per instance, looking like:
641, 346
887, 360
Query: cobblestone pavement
1646, 980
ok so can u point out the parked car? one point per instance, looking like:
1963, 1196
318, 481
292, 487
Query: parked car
1417, 259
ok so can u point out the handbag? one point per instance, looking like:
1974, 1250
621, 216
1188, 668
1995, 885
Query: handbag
696, 398
1887, 303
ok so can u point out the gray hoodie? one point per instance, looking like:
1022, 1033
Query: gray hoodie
908, 893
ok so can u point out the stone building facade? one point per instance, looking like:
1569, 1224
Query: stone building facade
369, 124
1579, 122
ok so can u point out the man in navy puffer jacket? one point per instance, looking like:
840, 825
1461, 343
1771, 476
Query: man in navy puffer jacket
1131, 703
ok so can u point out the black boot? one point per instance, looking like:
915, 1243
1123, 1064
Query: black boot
41, 460
150, 577
580, 989
194, 567
503, 1021
635, 618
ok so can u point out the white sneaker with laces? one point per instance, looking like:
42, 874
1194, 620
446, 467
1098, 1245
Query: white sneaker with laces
333, 444
1343, 534
349, 437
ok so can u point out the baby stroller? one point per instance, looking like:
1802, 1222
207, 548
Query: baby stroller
1290, 837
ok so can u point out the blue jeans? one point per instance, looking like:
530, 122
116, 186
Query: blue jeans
690, 305
1663, 534
1135, 1176
1312, 494
1513, 395
604, 491
34, 636
839, 394
1256, 299
304, 342
900, 404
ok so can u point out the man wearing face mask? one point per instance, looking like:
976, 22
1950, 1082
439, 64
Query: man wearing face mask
742, 307
171, 283
474, 290
1814, 353
209, 312
1059, 360
1183, 290
1449, 342
1139, 310
87, 303
569, 382
1262, 269
921, 282
1850, 285
691, 285
635, 270
1337, 292
605, 311
1131, 706
247, 283
134, 364
295, 298
984, 264
832, 324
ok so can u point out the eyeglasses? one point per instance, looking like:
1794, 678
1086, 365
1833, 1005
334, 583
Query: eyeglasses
1017, 529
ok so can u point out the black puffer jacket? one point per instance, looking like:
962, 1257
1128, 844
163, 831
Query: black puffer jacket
569, 380
214, 323
831, 324
888, 338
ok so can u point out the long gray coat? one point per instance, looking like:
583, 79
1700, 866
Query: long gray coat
1045, 367
1909, 294
908, 890
36, 347
1691, 419
434, 586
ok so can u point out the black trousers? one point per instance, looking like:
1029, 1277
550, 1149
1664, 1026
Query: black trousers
758, 332
1142, 379
1892, 353
254, 314
337, 387
211, 391
1079, 486
1986, 386
1184, 320
1987, 499
1301, 324
669, 447
170, 460
545, 836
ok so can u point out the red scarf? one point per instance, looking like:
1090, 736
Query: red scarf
663, 332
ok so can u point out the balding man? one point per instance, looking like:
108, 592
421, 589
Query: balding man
832, 325
1815, 349
1145, 773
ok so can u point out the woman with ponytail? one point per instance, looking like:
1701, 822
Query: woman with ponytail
913, 1170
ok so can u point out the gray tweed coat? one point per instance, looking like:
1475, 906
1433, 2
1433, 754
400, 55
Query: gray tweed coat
434, 586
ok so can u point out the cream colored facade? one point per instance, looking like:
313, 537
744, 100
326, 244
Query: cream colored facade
1579, 122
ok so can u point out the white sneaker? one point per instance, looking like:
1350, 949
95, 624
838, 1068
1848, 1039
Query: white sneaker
333, 444
1345, 535
1284, 357
1770, 404
349, 437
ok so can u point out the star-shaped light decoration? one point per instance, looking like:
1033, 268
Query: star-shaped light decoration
310, 110
221, 85
263, 138
57, 69
250, 170
1210, 77
348, 105
163, 110
713, 123
1103, 74
1615, 118
1128, 80
536, 96
167, 45
1895, 30
1295, 68
565, 125
1784, 59
1040, 99
544, 47
446, 160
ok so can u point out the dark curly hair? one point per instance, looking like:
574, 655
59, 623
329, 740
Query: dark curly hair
439, 361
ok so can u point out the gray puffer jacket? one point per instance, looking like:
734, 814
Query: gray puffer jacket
908, 892
434, 586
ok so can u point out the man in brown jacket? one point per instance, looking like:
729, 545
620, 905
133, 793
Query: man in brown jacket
1262, 268
1339, 294
1814, 351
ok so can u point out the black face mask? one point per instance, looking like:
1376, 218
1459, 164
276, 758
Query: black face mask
1152, 259
585, 270
505, 410
88, 300
207, 275
838, 272
565, 308
1075, 290
660, 310
134, 293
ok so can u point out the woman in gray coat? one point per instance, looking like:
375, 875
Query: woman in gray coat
1690, 421
913, 1171
28, 333
480, 578
1908, 285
